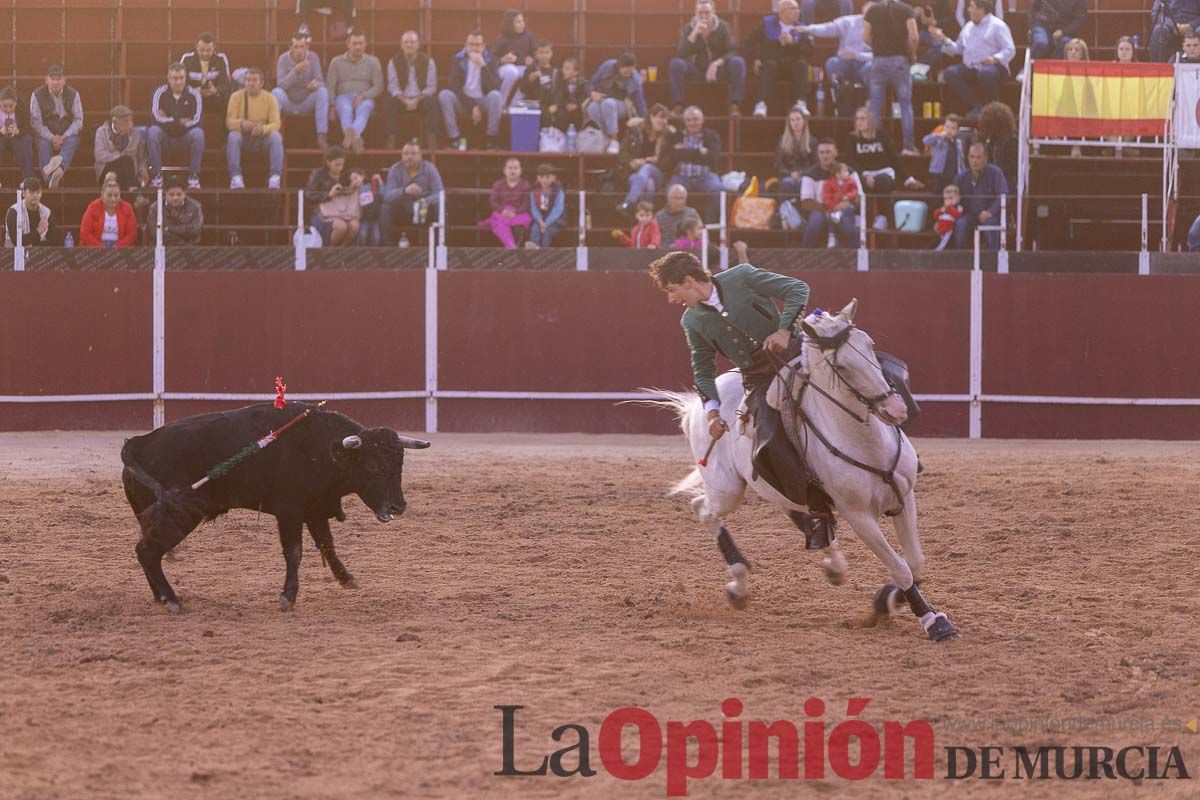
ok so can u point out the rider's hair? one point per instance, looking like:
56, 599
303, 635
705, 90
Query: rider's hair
674, 267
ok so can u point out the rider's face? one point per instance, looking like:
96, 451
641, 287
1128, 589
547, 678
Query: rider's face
689, 293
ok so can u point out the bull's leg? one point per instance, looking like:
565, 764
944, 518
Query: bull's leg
323, 536
291, 537
150, 549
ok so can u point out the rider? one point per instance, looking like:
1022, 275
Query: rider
734, 313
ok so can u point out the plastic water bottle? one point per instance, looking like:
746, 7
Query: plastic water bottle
571, 138
69, 241
820, 99
403, 240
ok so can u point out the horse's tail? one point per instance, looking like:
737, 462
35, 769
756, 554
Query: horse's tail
692, 485
686, 406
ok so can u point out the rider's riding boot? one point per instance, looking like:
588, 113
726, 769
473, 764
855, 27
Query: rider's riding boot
819, 524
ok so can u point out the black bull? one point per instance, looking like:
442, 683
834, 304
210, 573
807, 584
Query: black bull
299, 479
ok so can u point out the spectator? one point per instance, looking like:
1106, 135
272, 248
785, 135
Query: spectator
252, 120
474, 89
300, 86
412, 183
818, 226
355, 80
570, 93
539, 80
986, 47
616, 94
1076, 50
332, 200
370, 201
208, 71
1172, 20
929, 48
642, 152
546, 207
946, 217
645, 234
512, 51
998, 132
56, 116
120, 149
108, 221
183, 217
850, 65
947, 153
890, 30
779, 42
981, 185
1053, 23
1126, 53
675, 211
840, 187
340, 27
871, 152
690, 235
812, 10
962, 11
33, 217
1190, 54
176, 109
412, 89
693, 154
510, 204
794, 155
707, 50
14, 132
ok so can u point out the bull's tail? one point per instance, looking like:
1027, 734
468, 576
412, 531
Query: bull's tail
129, 459
174, 513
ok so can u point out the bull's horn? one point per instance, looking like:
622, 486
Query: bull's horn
351, 442
415, 444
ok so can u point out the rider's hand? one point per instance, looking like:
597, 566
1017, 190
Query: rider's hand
778, 341
716, 425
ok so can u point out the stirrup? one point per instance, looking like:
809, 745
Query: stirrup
820, 529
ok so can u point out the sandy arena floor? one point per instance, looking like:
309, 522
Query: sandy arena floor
551, 572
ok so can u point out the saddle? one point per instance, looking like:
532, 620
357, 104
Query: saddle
773, 457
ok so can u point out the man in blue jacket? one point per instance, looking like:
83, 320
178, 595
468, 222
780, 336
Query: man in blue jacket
616, 85
707, 51
1172, 20
475, 90
1053, 23
981, 186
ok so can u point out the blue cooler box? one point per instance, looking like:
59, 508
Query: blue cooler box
524, 124
910, 215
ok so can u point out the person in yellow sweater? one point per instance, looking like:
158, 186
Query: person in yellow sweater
252, 120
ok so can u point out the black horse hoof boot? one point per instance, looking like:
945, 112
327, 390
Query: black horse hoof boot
820, 529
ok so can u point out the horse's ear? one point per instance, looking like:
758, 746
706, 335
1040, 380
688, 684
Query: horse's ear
848, 311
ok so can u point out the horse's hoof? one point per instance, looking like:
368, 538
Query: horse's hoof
833, 574
349, 583
174, 607
284, 603
738, 601
942, 629
887, 600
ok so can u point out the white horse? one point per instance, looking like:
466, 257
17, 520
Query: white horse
835, 401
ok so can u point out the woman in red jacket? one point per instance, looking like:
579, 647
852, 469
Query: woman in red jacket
109, 220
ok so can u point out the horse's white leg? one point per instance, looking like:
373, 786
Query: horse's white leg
834, 563
866, 527
712, 507
910, 540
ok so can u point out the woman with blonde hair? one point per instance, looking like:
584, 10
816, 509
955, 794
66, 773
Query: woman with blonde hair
108, 221
795, 153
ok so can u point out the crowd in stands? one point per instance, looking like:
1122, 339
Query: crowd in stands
663, 154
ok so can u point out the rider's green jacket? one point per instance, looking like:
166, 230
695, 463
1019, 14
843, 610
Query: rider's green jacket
748, 317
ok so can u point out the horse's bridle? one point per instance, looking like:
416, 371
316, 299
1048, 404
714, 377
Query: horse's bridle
832, 344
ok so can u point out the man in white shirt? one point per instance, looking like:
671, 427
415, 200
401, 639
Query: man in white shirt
986, 46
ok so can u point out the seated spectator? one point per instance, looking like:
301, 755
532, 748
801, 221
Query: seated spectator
14, 132
512, 51
779, 43
108, 221
981, 185
689, 235
1076, 50
183, 217
412, 184
1172, 20
538, 80
929, 47
300, 87
947, 153
707, 51
570, 93
252, 120
56, 116
412, 88
848, 67
342, 24
986, 47
510, 205
546, 206
332, 200
998, 131
355, 79
890, 29
616, 94
962, 11
675, 211
794, 155
370, 202
645, 234
818, 226
475, 90
176, 109
869, 150
1191, 49
946, 217
1053, 23
32, 217
208, 71
692, 157
1126, 53
642, 151
120, 149
840, 187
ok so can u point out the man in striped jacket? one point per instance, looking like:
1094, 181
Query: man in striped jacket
208, 71
176, 109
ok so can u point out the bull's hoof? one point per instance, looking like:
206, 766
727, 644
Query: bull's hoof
174, 606
349, 583
887, 600
284, 603
942, 629
738, 601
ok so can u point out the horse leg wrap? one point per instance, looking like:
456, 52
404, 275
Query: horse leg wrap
820, 528
730, 550
916, 602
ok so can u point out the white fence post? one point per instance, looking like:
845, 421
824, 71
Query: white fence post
301, 235
431, 350
864, 260
724, 234
1002, 255
1144, 254
442, 259
975, 389
581, 250
19, 253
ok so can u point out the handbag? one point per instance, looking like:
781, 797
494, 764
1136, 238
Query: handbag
552, 140
344, 207
753, 212
591, 140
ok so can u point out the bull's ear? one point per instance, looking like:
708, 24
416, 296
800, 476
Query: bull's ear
412, 444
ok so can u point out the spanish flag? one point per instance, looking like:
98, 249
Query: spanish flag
1090, 98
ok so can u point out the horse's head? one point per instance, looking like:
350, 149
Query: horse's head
847, 355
